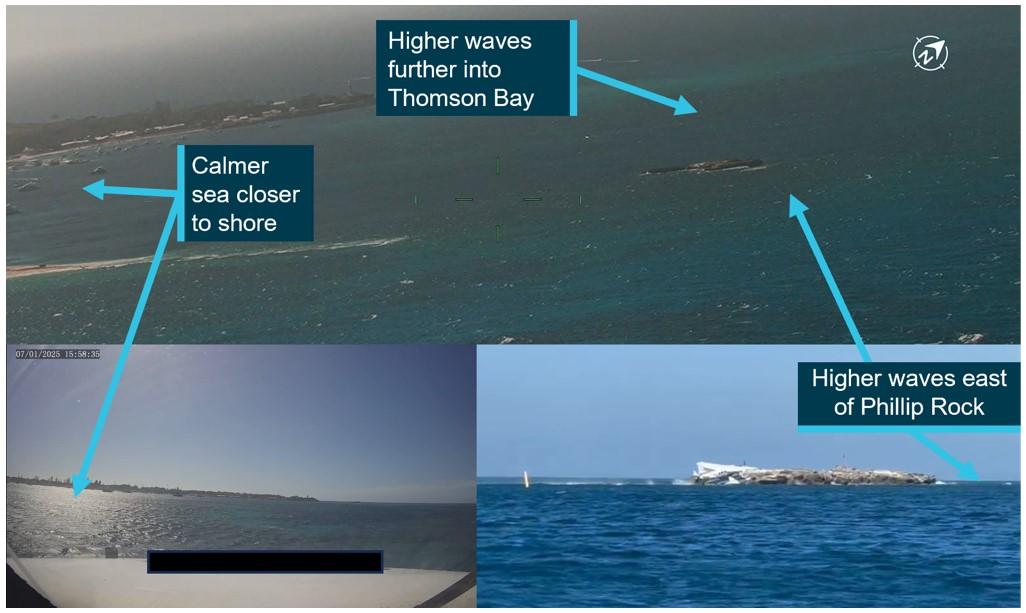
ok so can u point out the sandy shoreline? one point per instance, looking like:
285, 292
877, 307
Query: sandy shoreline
14, 272
123, 582
31, 270
21, 158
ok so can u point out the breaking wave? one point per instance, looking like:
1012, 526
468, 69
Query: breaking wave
371, 242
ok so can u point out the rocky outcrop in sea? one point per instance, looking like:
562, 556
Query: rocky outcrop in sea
708, 473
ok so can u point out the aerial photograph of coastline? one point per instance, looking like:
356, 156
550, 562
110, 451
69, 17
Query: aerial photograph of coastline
551, 305
624, 224
656, 476
254, 448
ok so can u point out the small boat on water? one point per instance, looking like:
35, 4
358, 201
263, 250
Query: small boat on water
527, 481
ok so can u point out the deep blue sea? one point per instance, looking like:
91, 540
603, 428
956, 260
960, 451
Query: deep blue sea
567, 543
47, 521
912, 179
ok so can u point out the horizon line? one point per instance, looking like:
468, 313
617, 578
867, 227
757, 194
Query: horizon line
230, 494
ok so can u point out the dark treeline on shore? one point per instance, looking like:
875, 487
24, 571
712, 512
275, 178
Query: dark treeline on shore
150, 489
61, 134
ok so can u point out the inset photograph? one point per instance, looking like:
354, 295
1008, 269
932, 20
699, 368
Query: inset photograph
676, 477
328, 476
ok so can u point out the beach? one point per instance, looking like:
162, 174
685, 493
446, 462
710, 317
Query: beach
14, 272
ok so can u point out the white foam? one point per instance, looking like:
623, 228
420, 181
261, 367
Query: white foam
709, 470
371, 242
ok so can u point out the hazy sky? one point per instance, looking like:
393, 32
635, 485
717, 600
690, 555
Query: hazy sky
608, 411
369, 423
105, 60
117, 59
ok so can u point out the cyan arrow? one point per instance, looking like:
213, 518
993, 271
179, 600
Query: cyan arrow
680, 106
965, 470
100, 189
80, 481
796, 208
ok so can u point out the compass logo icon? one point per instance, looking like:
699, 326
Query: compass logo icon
930, 53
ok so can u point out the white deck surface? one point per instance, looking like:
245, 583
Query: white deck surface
124, 583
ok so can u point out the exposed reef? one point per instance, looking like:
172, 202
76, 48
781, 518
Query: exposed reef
710, 166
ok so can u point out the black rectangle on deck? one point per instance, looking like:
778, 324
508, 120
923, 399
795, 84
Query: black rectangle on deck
262, 561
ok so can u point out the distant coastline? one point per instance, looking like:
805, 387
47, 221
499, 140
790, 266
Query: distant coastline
27, 141
148, 489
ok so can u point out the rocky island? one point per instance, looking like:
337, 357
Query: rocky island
708, 473
710, 166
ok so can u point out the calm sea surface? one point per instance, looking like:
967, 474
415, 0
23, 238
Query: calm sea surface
912, 179
49, 522
638, 543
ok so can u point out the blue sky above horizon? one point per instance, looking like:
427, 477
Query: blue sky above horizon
370, 423
653, 411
